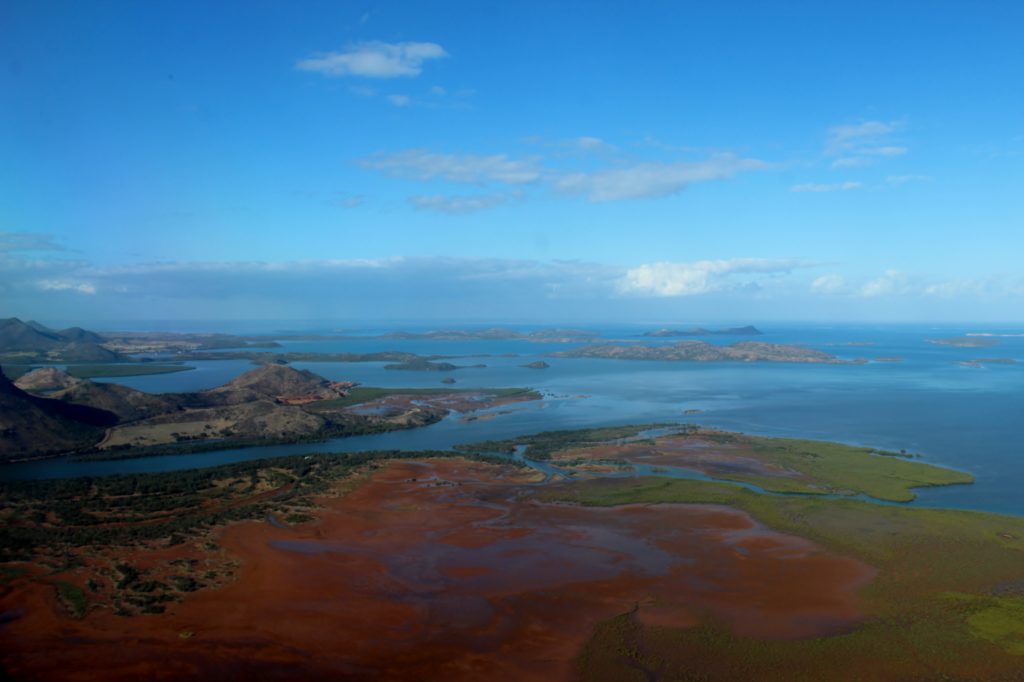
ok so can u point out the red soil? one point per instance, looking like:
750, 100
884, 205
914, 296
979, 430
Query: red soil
713, 459
443, 570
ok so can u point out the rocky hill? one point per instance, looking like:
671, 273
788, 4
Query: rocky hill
31, 426
280, 383
127, 403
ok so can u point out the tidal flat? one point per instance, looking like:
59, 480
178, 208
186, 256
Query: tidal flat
413, 565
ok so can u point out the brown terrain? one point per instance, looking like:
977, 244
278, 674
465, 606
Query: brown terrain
440, 569
34, 426
711, 456
273, 401
701, 351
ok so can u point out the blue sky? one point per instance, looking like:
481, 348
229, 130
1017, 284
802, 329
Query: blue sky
512, 161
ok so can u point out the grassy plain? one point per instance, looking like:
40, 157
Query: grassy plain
365, 394
779, 465
947, 602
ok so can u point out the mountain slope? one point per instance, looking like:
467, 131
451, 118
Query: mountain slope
26, 342
31, 426
127, 403
280, 383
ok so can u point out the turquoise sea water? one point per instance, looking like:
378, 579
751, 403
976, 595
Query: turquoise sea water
959, 416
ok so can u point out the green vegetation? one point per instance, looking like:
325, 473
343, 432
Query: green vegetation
803, 466
922, 556
423, 365
9, 573
124, 370
542, 445
835, 468
998, 619
365, 394
54, 524
125, 509
72, 597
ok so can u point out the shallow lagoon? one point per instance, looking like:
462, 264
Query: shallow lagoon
964, 417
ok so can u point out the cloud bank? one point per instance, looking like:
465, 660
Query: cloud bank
374, 60
700, 277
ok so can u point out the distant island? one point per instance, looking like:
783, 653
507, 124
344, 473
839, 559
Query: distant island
25, 343
48, 412
748, 330
425, 365
980, 362
701, 351
966, 342
494, 334
539, 364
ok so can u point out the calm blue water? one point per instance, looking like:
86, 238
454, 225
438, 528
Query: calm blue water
958, 416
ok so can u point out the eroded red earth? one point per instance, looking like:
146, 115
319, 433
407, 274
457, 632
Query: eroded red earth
711, 458
447, 570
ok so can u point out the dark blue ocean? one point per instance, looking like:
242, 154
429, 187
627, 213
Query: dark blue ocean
928, 403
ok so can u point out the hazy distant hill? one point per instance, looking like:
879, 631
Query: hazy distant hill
496, 334
16, 335
31, 426
748, 330
80, 335
26, 342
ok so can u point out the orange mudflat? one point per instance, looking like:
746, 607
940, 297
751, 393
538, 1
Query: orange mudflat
447, 570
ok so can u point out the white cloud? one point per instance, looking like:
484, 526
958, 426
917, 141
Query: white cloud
27, 241
867, 156
896, 283
893, 282
589, 144
904, 179
652, 179
852, 162
956, 288
374, 60
63, 285
399, 100
856, 136
862, 144
463, 204
888, 151
420, 164
701, 277
829, 284
826, 187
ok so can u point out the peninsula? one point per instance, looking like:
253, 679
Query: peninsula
48, 412
966, 342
